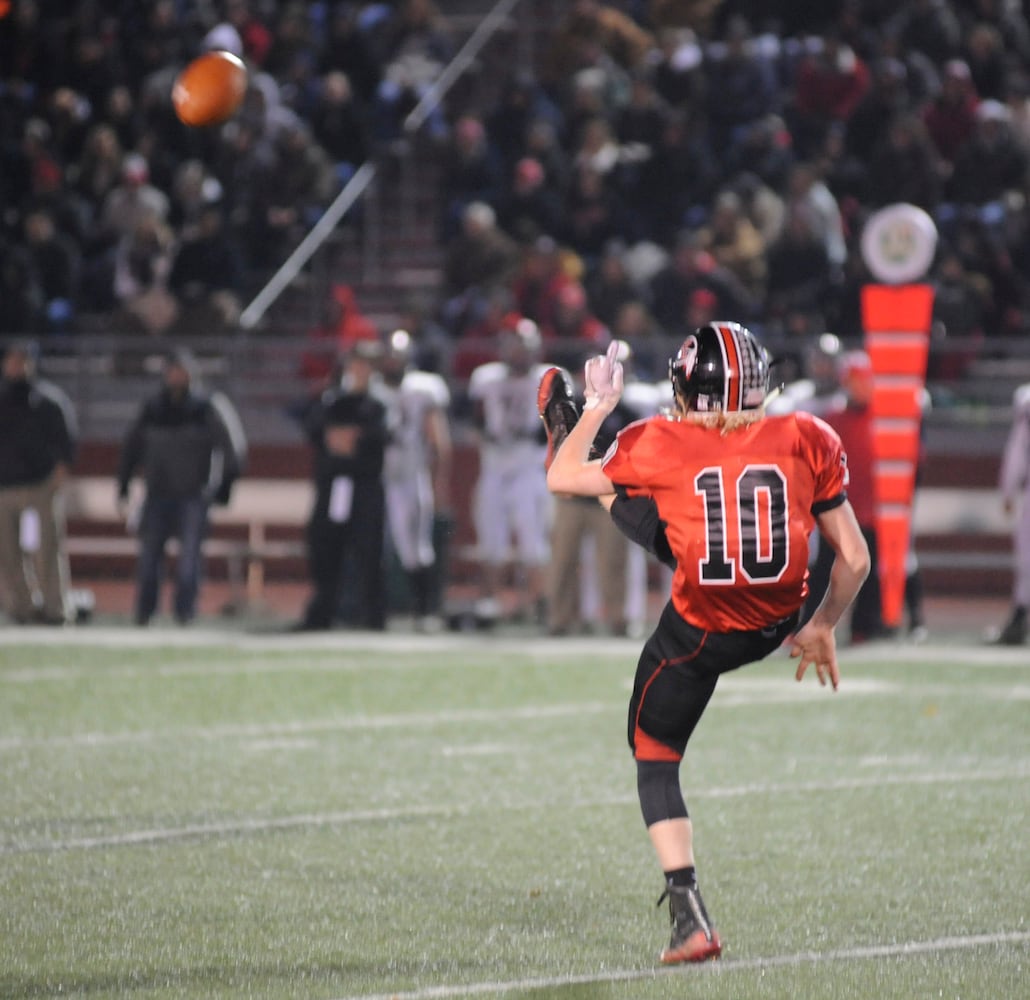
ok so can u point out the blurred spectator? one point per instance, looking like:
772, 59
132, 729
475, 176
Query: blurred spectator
292, 195
38, 438
21, 293
905, 166
609, 285
887, 97
539, 280
341, 326
339, 122
1007, 17
100, 168
347, 50
960, 299
478, 258
530, 208
595, 213
193, 189
56, 260
830, 84
806, 189
471, 171
692, 268
255, 37
990, 163
414, 45
189, 449
522, 102
1017, 100
133, 200
799, 270
142, 265
765, 149
207, 273
678, 76
675, 182
575, 332
950, 116
930, 27
543, 145
985, 55
743, 86
734, 242
589, 29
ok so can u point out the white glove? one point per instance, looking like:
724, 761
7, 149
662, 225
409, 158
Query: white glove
603, 377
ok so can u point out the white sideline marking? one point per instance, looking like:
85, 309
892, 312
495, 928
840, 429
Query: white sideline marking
961, 648
244, 826
714, 968
343, 724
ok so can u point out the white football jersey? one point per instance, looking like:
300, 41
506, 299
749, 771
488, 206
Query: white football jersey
508, 400
407, 408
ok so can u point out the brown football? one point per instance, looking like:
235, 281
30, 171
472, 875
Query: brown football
209, 89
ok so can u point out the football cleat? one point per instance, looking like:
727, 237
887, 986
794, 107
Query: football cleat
557, 408
693, 937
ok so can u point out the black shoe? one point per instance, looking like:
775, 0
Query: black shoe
1014, 632
557, 408
693, 937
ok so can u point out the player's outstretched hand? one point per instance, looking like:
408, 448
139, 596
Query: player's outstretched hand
603, 377
816, 645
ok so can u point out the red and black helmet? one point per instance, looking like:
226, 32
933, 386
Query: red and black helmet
720, 367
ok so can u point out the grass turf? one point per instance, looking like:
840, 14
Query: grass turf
446, 818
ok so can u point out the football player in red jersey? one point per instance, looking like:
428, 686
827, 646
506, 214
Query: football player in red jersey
736, 495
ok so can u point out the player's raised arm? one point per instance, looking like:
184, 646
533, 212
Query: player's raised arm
572, 471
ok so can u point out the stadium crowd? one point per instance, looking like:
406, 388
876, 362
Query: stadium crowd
662, 163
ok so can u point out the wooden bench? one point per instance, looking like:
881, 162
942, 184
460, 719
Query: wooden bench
239, 536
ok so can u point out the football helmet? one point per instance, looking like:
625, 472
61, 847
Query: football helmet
720, 367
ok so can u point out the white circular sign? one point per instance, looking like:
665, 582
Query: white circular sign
898, 244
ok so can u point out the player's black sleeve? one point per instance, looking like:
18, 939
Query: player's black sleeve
637, 518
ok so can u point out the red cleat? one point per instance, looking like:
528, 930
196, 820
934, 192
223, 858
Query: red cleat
693, 937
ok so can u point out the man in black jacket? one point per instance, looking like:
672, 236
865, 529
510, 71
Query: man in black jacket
189, 449
347, 427
37, 447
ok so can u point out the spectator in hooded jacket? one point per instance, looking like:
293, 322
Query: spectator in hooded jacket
188, 448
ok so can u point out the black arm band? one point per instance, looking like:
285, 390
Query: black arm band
824, 505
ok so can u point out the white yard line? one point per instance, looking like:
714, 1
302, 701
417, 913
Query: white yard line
240, 827
724, 966
952, 649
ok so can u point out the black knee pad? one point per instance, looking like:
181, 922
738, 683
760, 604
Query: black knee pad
658, 786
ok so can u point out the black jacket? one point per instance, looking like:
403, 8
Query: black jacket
37, 431
341, 408
183, 448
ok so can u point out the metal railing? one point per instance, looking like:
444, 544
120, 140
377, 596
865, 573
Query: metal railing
365, 176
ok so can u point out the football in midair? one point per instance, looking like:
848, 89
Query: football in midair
210, 89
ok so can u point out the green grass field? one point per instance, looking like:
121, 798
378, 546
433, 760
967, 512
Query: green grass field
202, 816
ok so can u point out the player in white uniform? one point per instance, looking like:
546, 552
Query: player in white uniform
416, 466
1015, 497
511, 498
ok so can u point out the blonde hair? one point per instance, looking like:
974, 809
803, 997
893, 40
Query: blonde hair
725, 421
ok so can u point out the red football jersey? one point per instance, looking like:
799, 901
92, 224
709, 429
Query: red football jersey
738, 509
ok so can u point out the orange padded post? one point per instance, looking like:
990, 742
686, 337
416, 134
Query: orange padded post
896, 320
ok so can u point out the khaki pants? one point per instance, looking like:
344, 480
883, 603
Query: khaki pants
34, 582
575, 520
